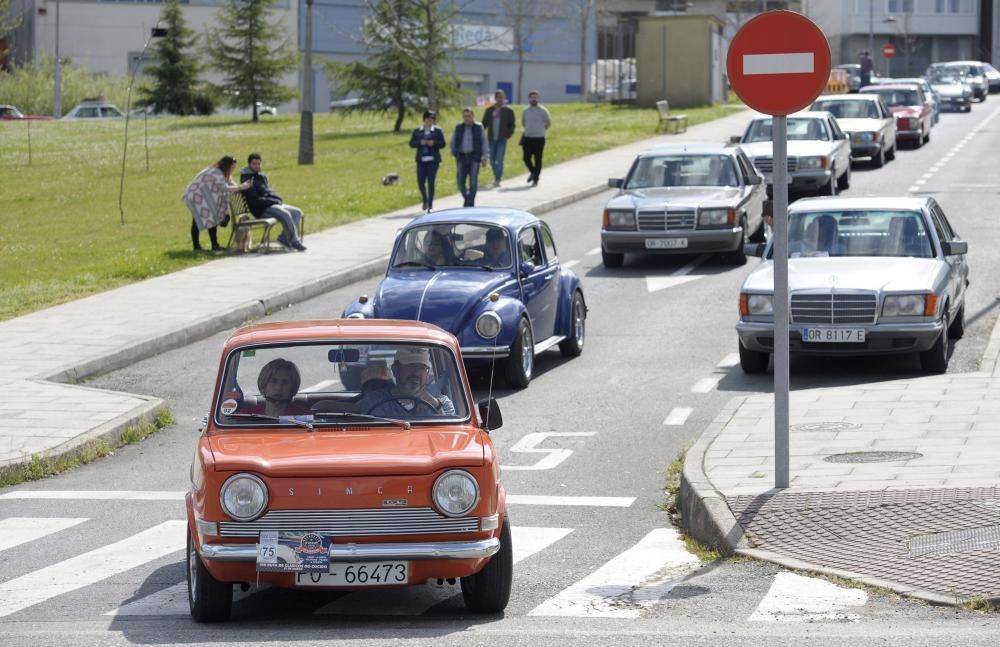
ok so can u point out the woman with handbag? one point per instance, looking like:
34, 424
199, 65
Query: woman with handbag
206, 198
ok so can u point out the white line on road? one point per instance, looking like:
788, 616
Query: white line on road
920, 182
630, 583
692, 265
678, 416
927, 176
173, 601
656, 283
569, 264
791, 63
596, 250
913, 189
92, 567
706, 384
794, 598
730, 360
15, 531
591, 501
528, 445
95, 495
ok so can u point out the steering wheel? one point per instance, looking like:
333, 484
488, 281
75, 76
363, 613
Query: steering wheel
417, 402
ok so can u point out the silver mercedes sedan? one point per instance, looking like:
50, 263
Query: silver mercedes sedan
684, 199
865, 276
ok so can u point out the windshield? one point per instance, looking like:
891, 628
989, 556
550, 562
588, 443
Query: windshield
849, 108
456, 244
858, 233
800, 128
682, 170
895, 98
341, 384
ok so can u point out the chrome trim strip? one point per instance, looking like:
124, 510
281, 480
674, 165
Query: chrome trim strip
353, 522
548, 343
480, 549
423, 294
486, 351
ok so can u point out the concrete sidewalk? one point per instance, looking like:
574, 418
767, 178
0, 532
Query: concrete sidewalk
41, 414
896, 484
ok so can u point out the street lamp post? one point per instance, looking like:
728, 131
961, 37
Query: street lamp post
871, 27
306, 118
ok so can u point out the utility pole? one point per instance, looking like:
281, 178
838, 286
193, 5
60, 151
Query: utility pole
57, 75
871, 27
306, 115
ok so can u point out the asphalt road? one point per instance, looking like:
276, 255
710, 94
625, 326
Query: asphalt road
657, 367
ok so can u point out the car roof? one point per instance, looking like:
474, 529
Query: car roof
500, 216
850, 97
808, 114
697, 148
895, 85
898, 203
337, 329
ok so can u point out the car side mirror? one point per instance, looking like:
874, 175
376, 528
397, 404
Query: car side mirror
615, 182
735, 139
527, 267
754, 249
489, 413
955, 248
840, 136
756, 179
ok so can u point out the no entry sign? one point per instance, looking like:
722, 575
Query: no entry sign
888, 50
778, 62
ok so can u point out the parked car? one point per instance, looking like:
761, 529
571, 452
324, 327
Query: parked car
954, 94
94, 109
972, 72
10, 113
265, 109
819, 154
854, 75
911, 108
866, 121
866, 276
393, 488
685, 198
929, 93
489, 276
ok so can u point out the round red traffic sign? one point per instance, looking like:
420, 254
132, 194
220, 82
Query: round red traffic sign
888, 50
778, 62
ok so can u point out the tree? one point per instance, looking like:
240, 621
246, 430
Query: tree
174, 72
520, 16
583, 10
435, 46
252, 53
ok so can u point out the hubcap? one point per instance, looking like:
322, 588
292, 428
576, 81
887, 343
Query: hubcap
578, 322
528, 349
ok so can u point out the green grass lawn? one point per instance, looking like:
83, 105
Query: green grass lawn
63, 238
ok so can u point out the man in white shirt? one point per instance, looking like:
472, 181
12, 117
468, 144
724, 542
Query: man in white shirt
535, 120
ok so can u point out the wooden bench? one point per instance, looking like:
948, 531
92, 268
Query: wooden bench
672, 123
243, 222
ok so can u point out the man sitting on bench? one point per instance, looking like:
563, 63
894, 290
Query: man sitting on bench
265, 203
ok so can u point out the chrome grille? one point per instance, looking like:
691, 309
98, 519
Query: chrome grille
667, 220
353, 523
833, 308
766, 164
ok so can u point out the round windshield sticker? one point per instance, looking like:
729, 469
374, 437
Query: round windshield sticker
229, 406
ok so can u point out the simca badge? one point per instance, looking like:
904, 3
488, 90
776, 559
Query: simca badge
394, 503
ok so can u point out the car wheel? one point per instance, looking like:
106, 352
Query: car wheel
919, 141
209, 599
878, 160
752, 361
957, 328
572, 346
610, 259
935, 360
927, 136
844, 181
488, 591
521, 362
739, 255
891, 153
759, 236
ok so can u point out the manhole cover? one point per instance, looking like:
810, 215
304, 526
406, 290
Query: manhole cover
825, 426
872, 457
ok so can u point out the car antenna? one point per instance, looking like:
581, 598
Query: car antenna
493, 365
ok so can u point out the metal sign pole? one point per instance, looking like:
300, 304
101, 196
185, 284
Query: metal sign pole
780, 305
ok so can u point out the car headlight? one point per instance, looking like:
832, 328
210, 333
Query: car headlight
716, 217
905, 305
243, 497
813, 162
865, 138
619, 219
756, 304
455, 493
488, 325
912, 123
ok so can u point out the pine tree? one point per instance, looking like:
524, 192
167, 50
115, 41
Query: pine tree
174, 72
252, 53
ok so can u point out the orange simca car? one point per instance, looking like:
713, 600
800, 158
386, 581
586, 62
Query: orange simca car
300, 481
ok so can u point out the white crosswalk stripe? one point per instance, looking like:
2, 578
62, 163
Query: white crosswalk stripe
15, 531
795, 598
628, 584
91, 567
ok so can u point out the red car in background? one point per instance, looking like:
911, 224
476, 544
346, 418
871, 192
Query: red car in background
10, 113
912, 109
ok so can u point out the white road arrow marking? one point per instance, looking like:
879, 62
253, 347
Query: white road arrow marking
794, 598
655, 283
792, 63
528, 445
678, 416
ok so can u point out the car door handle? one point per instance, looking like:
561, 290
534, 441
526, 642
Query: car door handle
548, 277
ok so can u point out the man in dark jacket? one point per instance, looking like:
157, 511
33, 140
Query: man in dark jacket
265, 203
500, 123
471, 150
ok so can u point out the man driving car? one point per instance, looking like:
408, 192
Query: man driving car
409, 396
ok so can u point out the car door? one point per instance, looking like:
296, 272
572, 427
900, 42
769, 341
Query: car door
753, 194
539, 283
841, 145
888, 125
958, 267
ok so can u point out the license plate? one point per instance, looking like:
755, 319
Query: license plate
834, 335
358, 574
666, 243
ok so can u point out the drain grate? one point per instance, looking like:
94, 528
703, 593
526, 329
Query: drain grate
872, 457
825, 426
955, 541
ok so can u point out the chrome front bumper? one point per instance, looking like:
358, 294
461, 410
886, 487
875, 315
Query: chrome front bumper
698, 240
485, 352
480, 549
882, 339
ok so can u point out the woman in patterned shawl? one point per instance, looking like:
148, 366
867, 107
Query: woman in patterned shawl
206, 198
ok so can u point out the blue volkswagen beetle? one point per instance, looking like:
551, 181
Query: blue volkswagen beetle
489, 276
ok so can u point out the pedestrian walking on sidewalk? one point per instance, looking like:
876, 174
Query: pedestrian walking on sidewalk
500, 124
205, 197
535, 122
428, 140
471, 150
265, 203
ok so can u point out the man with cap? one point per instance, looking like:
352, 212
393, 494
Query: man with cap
497, 252
409, 396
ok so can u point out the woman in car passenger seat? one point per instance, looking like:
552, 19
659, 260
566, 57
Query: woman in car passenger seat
278, 382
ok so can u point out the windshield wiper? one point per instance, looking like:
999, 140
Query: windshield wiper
261, 416
364, 416
415, 264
